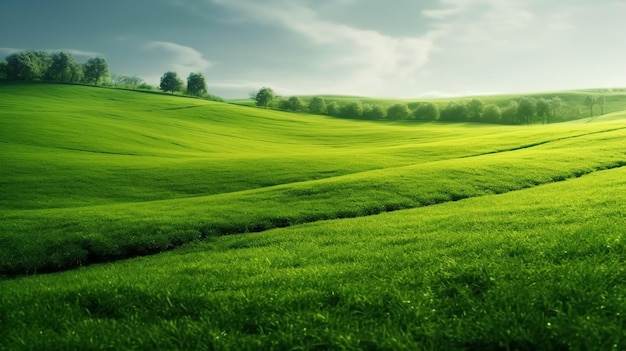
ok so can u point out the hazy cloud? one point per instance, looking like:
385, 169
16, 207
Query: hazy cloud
481, 21
399, 48
364, 56
183, 59
75, 52
80, 53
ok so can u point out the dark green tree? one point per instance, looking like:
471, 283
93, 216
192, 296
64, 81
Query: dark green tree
284, 105
333, 108
264, 97
428, 111
556, 108
492, 114
526, 110
3, 70
543, 110
455, 111
196, 85
170, 82
374, 112
601, 102
317, 105
398, 111
475, 110
96, 69
63, 68
352, 110
27, 65
23, 66
589, 102
294, 103
509, 113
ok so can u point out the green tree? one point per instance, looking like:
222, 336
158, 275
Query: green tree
492, 114
374, 112
27, 65
96, 69
475, 110
21, 66
589, 102
509, 113
42, 60
333, 108
295, 104
3, 70
352, 110
455, 111
284, 105
196, 85
398, 111
428, 111
543, 110
264, 97
601, 102
170, 82
526, 110
63, 68
556, 108
317, 105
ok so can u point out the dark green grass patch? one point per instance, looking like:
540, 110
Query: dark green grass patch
536, 269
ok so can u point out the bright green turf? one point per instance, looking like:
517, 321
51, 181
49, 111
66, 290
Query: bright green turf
124, 173
536, 269
515, 239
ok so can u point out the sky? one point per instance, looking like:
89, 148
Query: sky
378, 48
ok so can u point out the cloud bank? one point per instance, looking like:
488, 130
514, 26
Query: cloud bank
366, 57
182, 59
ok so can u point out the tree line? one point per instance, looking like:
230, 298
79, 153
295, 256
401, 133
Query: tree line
57, 67
62, 67
526, 110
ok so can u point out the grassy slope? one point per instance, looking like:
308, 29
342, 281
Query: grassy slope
538, 268
126, 174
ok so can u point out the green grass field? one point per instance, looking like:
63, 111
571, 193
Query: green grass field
501, 237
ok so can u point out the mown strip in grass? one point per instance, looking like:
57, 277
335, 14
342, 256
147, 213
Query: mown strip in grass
49, 240
537, 269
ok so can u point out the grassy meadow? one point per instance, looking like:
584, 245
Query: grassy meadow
342, 234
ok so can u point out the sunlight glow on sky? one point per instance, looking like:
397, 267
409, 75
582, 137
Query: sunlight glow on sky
396, 48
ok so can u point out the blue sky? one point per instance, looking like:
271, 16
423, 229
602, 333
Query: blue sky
394, 48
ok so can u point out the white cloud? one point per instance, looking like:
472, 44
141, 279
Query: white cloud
459, 47
452, 8
524, 45
182, 59
80, 53
491, 22
366, 58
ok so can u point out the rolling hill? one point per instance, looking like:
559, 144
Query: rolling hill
502, 237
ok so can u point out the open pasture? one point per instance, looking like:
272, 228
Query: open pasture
501, 237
